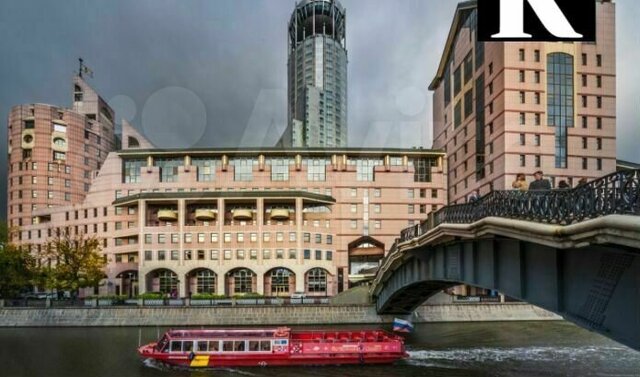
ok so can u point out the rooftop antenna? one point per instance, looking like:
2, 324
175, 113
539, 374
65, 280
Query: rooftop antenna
84, 69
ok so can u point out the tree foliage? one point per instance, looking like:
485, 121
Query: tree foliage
17, 270
76, 262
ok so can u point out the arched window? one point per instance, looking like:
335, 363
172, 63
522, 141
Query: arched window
59, 142
243, 281
168, 281
206, 281
133, 142
280, 280
317, 280
560, 101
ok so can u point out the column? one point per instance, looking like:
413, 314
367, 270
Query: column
182, 292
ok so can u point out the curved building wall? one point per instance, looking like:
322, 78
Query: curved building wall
54, 152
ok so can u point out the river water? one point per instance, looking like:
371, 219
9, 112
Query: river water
460, 349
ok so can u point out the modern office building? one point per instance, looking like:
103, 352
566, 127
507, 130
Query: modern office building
317, 76
54, 152
269, 221
502, 108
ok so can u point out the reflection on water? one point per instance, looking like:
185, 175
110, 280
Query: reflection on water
462, 349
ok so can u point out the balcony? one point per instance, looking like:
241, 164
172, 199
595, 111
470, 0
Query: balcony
205, 214
242, 214
167, 215
279, 214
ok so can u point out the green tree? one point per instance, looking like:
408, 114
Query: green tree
17, 269
4, 233
76, 262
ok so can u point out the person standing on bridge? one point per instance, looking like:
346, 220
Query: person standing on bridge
540, 183
520, 183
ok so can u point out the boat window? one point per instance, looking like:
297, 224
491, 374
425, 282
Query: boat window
254, 345
227, 346
202, 346
265, 345
214, 346
187, 346
176, 346
163, 345
238, 345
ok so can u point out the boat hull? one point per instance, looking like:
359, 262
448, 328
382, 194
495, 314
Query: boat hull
213, 361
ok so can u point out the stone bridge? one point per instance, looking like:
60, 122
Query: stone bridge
573, 252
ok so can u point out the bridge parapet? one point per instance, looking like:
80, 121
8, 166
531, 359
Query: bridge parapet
617, 193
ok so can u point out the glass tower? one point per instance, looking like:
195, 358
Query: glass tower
317, 76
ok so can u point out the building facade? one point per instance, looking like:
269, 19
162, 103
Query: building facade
54, 153
503, 108
317, 76
268, 221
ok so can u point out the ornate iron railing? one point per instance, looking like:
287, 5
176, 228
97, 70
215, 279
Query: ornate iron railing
617, 193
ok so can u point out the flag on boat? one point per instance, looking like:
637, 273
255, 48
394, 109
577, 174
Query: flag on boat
401, 325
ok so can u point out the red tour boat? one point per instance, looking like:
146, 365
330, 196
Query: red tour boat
273, 347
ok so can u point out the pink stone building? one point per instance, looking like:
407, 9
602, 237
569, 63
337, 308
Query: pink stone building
54, 153
232, 221
503, 108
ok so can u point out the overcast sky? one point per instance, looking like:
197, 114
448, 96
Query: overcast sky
213, 72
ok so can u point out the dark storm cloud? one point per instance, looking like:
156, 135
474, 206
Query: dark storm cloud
229, 57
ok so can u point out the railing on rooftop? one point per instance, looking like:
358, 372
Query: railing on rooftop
617, 193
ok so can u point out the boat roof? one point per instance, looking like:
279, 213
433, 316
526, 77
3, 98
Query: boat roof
231, 333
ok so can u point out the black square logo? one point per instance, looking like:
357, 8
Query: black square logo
537, 20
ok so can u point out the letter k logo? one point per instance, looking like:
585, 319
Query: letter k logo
549, 13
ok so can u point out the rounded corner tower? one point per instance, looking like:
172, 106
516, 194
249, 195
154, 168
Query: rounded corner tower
317, 74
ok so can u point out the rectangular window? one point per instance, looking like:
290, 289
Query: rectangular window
206, 168
242, 169
227, 237
253, 254
536, 77
354, 224
457, 115
523, 119
599, 164
523, 97
279, 169
457, 81
585, 164
584, 80
316, 170
523, 160
266, 254
536, 56
188, 237
411, 209
536, 140
148, 238
468, 103
599, 81
599, 143
584, 143
240, 237
161, 254
523, 139
521, 54
227, 254
599, 123
266, 237
599, 102
599, 60
584, 122
521, 76
215, 254
148, 255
